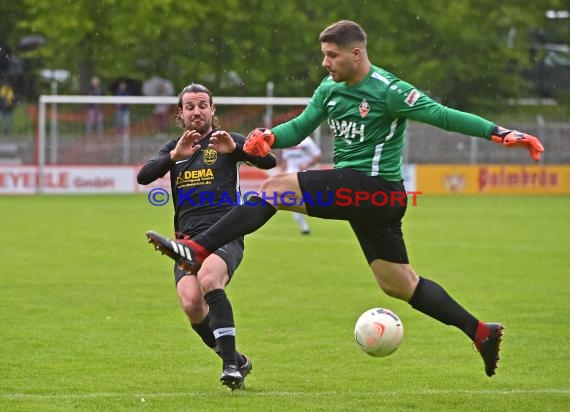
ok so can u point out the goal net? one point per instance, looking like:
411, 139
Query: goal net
123, 131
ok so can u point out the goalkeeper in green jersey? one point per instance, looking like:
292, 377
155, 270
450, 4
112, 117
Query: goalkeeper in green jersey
367, 109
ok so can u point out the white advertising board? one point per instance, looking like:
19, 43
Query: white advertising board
68, 179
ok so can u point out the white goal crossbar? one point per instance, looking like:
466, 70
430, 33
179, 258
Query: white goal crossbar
54, 100
221, 100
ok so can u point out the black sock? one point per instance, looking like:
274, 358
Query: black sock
222, 325
203, 330
433, 300
242, 220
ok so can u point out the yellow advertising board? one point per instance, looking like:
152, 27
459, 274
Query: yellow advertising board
493, 179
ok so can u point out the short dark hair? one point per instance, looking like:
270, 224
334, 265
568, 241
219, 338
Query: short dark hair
194, 88
343, 33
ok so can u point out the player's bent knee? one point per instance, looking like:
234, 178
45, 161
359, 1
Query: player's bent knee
190, 297
194, 306
396, 280
211, 281
392, 290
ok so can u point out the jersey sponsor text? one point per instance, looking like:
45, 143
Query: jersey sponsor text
347, 131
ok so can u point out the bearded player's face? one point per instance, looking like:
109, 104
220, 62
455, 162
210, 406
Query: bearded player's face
197, 112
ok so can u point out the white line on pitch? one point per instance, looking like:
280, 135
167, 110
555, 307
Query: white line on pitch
543, 391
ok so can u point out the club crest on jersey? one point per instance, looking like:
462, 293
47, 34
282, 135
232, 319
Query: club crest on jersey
210, 156
412, 97
363, 108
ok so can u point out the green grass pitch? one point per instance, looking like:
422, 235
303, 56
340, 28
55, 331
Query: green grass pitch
89, 318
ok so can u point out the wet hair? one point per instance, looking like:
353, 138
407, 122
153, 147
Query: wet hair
195, 88
343, 33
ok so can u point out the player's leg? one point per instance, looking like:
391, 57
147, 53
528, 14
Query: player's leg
400, 281
194, 306
432, 299
385, 251
214, 274
313, 192
212, 278
241, 220
302, 223
196, 309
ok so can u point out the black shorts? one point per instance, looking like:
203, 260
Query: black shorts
373, 206
231, 253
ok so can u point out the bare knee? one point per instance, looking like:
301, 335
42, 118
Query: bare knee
193, 305
191, 299
283, 192
191, 289
396, 280
212, 277
274, 183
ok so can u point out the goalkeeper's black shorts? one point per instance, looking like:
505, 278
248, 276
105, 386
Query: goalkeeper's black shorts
373, 206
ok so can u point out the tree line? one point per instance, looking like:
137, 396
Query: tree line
468, 54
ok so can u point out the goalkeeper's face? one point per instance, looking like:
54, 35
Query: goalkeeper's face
197, 112
341, 62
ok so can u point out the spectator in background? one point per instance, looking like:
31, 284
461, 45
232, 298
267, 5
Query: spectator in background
7, 103
161, 111
94, 111
122, 121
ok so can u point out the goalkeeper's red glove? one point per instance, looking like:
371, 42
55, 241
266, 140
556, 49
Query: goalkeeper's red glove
259, 142
514, 138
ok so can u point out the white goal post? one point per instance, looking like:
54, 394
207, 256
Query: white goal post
48, 140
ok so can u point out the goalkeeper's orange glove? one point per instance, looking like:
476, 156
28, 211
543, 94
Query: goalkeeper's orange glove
514, 138
259, 142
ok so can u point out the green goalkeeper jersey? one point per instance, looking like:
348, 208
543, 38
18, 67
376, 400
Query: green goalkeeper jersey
368, 121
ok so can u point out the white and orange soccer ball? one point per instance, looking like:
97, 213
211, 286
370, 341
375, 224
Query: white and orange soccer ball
378, 332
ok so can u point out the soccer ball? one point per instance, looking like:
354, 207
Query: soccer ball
378, 332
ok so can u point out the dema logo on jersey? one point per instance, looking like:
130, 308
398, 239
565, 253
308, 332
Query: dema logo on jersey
191, 178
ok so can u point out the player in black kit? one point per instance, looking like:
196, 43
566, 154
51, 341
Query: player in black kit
203, 165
